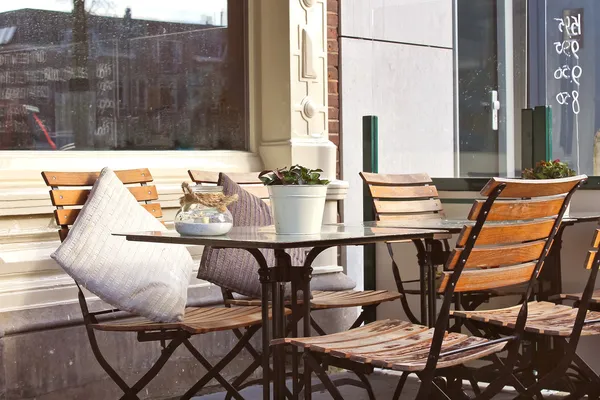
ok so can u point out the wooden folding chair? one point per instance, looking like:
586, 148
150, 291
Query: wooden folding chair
499, 249
69, 191
555, 329
402, 197
407, 197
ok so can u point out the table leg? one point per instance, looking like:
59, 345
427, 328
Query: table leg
278, 362
550, 280
306, 328
423, 279
265, 283
294, 322
282, 274
266, 339
431, 289
306, 277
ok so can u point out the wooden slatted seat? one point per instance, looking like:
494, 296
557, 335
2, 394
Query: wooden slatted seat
197, 320
595, 300
543, 318
394, 344
321, 300
506, 246
69, 192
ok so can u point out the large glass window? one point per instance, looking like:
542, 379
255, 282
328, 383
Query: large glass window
570, 79
122, 75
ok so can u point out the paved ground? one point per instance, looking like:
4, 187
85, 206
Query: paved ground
384, 384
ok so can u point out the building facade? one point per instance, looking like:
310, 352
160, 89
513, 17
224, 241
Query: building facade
160, 87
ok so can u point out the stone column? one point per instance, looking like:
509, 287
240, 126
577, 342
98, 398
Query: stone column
292, 87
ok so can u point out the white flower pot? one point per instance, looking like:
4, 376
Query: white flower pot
298, 209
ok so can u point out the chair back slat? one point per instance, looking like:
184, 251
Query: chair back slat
492, 257
75, 198
72, 197
403, 196
530, 188
504, 234
519, 209
249, 181
241, 178
513, 232
479, 280
405, 206
68, 216
589, 260
130, 176
395, 179
408, 217
404, 192
596, 239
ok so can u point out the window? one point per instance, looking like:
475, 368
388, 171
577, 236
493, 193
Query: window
122, 75
492, 86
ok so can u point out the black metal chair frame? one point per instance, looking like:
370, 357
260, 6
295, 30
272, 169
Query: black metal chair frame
530, 384
175, 337
429, 386
240, 383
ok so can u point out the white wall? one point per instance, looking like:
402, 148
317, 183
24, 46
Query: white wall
396, 63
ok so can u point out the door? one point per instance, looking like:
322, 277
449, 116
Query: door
477, 64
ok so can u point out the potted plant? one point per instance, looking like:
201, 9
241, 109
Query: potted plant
297, 197
549, 170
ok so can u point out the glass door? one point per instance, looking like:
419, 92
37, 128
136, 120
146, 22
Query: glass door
478, 104
490, 89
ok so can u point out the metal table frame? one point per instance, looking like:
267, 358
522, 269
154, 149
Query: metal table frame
273, 281
550, 276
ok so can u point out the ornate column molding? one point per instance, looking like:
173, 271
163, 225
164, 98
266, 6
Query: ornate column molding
294, 85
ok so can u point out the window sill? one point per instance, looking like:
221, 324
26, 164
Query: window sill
21, 169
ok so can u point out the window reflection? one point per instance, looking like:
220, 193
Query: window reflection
97, 74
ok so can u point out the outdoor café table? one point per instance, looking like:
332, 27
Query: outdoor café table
550, 279
273, 278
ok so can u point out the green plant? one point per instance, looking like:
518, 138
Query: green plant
296, 175
549, 170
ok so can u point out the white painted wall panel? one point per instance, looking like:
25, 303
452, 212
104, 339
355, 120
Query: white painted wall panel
427, 22
410, 89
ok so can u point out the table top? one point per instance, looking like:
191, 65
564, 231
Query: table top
456, 225
251, 237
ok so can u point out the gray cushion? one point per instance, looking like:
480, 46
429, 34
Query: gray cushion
236, 269
334, 281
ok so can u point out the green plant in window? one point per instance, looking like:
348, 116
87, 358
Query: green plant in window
549, 170
296, 175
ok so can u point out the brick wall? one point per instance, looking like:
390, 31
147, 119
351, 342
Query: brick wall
333, 7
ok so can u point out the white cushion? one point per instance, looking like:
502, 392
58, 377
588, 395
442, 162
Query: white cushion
147, 279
